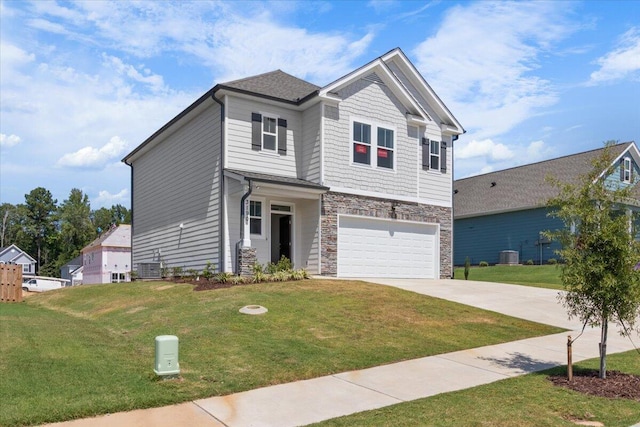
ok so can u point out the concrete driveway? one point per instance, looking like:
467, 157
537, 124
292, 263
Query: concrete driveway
524, 302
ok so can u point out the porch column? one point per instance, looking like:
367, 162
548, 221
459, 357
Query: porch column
246, 240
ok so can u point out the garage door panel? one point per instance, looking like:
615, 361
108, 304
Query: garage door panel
385, 248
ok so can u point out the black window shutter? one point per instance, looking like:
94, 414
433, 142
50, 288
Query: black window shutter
256, 131
443, 156
282, 137
425, 153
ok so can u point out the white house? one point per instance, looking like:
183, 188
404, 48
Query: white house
108, 258
351, 179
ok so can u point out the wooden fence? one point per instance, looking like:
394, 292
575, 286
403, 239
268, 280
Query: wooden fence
10, 283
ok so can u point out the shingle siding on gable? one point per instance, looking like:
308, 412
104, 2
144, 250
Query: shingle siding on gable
367, 100
241, 156
178, 182
614, 180
483, 238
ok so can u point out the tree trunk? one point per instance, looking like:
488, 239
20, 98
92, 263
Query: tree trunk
603, 348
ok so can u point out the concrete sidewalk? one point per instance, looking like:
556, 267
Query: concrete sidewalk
305, 402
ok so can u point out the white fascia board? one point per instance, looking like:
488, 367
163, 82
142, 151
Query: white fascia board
416, 120
380, 68
419, 82
632, 150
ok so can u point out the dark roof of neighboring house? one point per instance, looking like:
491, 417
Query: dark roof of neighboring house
77, 261
275, 179
523, 187
275, 84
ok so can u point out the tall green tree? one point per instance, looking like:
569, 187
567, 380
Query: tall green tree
599, 251
9, 224
76, 229
104, 218
40, 222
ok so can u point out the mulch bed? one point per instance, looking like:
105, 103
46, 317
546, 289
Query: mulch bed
207, 286
616, 385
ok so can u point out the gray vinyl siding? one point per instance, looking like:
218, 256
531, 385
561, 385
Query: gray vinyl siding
368, 100
308, 225
239, 153
483, 238
613, 180
309, 159
436, 186
178, 183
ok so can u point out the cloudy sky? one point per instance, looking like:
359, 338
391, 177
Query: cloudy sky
82, 83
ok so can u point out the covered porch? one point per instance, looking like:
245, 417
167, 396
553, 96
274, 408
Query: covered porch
268, 217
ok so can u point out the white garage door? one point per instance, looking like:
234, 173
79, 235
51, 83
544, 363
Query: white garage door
369, 247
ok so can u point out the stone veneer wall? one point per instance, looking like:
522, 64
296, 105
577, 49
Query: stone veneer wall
246, 260
339, 203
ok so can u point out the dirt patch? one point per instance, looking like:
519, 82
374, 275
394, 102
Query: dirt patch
617, 385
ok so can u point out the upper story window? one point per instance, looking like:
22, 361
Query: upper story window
434, 155
385, 148
268, 133
255, 217
364, 140
26, 268
361, 143
626, 170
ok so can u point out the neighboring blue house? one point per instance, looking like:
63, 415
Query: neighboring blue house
14, 255
72, 270
506, 210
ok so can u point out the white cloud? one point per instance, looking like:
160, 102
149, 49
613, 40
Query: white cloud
485, 148
483, 57
9, 140
106, 199
622, 62
87, 157
537, 151
154, 81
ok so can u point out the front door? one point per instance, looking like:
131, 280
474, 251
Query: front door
281, 244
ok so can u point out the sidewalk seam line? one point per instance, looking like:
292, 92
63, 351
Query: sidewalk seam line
369, 388
210, 414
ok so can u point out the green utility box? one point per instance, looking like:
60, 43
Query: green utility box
167, 355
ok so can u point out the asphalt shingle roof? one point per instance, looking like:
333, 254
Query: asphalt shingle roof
522, 187
275, 84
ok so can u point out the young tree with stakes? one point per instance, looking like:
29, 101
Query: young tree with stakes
599, 251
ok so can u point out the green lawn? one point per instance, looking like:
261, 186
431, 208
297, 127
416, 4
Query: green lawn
526, 401
541, 276
89, 350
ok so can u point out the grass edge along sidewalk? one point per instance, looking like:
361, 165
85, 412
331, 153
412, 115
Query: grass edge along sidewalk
526, 401
84, 351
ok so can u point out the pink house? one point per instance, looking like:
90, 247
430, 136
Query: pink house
108, 258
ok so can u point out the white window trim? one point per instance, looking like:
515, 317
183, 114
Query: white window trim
373, 145
626, 166
262, 217
262, 133
431, 155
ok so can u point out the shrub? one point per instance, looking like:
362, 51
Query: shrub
238, 280
467, 267
483, 264
207, 273
284, 264
191, 274
177, 272
224, 277
552, 261
257, 268
529, 262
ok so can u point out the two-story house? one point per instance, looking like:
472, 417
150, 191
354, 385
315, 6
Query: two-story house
14, 255
108, 258
352, 179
